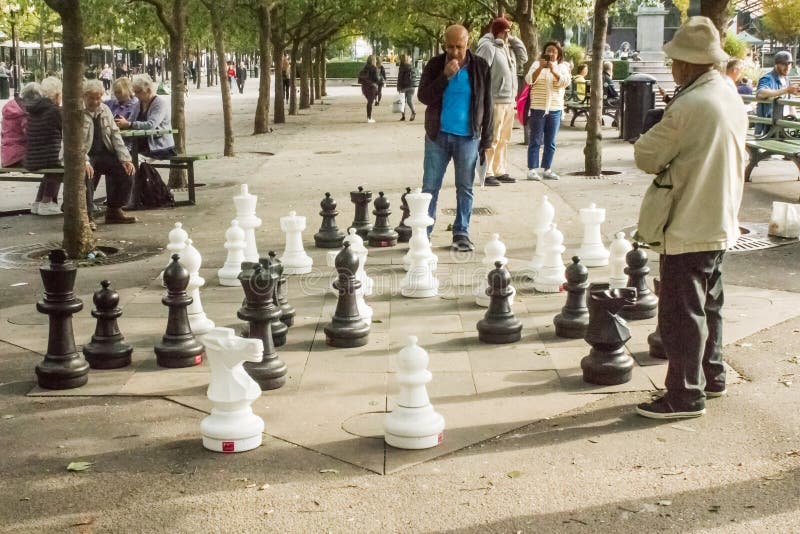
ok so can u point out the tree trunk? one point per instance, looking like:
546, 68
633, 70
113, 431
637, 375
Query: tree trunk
525, 18
77, 238
312, 79
593, 151
323, 71
261, 122
209, 68
319, 67
279, 116
292, 78
225, 89
305, 77
197, 64
717, 11
177, 177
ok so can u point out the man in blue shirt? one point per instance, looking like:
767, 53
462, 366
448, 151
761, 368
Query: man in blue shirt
772, 85
457, 88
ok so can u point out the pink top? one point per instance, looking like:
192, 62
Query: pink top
14, 134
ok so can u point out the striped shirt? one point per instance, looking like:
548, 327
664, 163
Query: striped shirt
546, 92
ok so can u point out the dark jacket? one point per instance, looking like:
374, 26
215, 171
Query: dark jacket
405, 78
241, 73
381, 75
431, 92
43, 149
369, 75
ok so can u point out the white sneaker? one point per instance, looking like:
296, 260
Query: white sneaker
370, 121
35, 208
49, 208
533, 174
550, 175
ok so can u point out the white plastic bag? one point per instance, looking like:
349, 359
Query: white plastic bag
399, 104
785, 220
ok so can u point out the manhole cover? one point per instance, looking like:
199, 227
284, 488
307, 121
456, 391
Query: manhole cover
365, 425
21, 256
475, 211
603, 174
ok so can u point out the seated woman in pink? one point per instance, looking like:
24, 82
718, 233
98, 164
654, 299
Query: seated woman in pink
14, 133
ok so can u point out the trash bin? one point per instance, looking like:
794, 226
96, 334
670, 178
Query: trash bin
638, 97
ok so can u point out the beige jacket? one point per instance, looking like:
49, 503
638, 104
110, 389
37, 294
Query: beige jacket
699, 146
111, 135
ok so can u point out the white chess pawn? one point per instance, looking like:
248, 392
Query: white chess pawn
543, 216
192, 260
619, 249
177, 241
550, 276
235, 245
232, 426
294, 259
592, 252
418, 220
413, 424
495, 250
248, 221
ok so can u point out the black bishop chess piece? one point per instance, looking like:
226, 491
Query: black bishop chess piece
499, 325
179, 347
574, 317
404, 231
361, 222
259, 310
287, 310
347, 328
329, 235
607, 364
654, 339
646, 305
382, 234
107, 349
63, 366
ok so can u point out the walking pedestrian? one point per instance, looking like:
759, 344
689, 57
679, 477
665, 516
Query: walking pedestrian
106, 75
405, 85
241, 76
368, 78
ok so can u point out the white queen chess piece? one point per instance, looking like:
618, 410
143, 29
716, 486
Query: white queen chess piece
550, 277
192, 261
543, 216
418, 219
413, 424
235, 245
495, 250
232, 426
592, 252
294, 259
619, 250
245, 204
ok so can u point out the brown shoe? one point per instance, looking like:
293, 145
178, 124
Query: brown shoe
117, 216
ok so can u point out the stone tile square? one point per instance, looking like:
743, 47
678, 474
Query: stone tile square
657, 374
445, 388
167, 382
512, 358
316, 382
334, 361
101, 382
511, 384
572, 381
567, 357
439, 362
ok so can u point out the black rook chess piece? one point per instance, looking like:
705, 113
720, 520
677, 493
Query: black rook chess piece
361, 222
574, 317
329, 235
259, 311
654, 339
63, 366
382, 234
178, 347
646, 305
347, 328
107, 349
499, 325
403, 231
607, 363
280, 300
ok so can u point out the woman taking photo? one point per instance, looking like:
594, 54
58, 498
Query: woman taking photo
548, 78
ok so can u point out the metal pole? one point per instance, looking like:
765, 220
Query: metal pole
15, 53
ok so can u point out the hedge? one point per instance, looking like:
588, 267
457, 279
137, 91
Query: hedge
343, 69
622, 68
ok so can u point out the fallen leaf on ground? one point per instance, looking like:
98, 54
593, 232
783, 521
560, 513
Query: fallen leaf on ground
262, 487
664, 503
335, 471
671, 474
19, 284
269, 512
9, 416
87, 521
793, 453
250, 486
714, 508
25, 498
514, 474
684, 428
744, 344
541, 353
378, 321
593, 441
79, 466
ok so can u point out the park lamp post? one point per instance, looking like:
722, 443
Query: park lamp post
11, 11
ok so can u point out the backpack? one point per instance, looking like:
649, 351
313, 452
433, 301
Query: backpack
150, 191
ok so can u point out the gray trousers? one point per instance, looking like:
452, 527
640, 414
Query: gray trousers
689, 317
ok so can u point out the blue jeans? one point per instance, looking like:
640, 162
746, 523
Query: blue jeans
543, 131
464, 153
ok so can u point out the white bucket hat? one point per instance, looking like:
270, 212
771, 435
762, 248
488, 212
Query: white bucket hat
697, 42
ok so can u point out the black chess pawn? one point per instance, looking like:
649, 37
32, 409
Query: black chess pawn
654, 339
63, 366
404, 231
178, 347
259, 311
329, 235
607, 363
646, 305
347, 328
107, 349
287, 310
499, 325
361, 222
574, 317
382, 234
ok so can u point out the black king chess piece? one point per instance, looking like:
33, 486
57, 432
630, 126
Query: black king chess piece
347, 328
279, 328
646, 305
63, 366
574, 317
287, 310
499, 325
361, 222
178, 347
107, 349
654, 339
329, 235
607, 364
382, 234
404, 231
259, 310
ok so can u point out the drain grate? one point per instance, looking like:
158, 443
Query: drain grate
33, 255
753, 237
475, 211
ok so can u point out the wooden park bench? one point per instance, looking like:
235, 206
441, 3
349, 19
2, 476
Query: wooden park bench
780, 139
580, 106
183, 162
20, 174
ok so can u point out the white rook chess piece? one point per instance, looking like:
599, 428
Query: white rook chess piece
592, 252
192, 260
235, 245
619, 249
543, 216
248, 221
495, 250
418, 203
177, 242
420, 281
294, 259
232, 425
550, 276
413, 424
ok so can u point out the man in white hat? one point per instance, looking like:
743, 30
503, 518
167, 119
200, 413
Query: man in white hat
689, 215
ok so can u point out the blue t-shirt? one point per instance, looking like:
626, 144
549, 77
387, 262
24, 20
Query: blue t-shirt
770, 80
456, 105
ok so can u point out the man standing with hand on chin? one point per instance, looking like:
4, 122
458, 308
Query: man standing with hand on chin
457, 88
